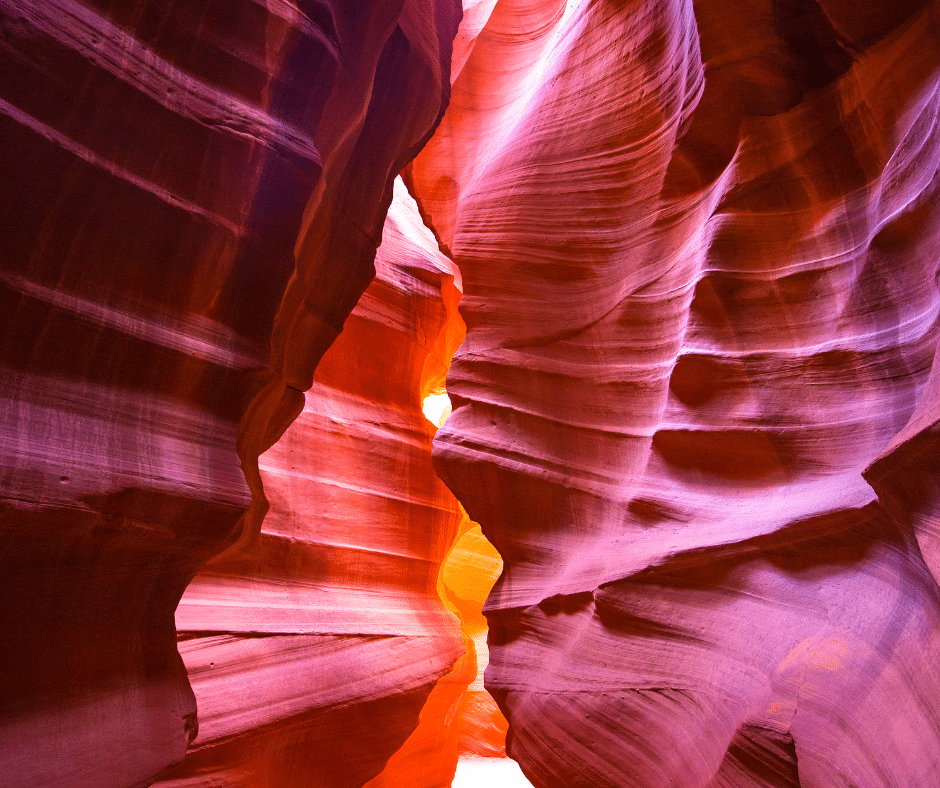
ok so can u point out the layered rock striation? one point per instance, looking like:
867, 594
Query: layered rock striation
193, 193
313, 648
695, 409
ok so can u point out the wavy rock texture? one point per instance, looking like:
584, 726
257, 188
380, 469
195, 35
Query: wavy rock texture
312, 650
696, 408
460, 718
193, 193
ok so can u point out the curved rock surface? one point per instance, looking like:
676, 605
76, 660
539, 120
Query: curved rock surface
313, 649
192, 197
696, 409
696, 406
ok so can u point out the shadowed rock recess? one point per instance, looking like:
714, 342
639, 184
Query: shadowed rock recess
696, 401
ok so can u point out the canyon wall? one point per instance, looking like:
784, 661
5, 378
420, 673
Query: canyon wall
696, 408
313, 649
192, 196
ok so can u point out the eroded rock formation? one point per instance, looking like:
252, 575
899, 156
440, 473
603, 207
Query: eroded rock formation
192, 195
695, 410
313, 649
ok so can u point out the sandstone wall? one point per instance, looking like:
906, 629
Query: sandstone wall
696, 408
192, 195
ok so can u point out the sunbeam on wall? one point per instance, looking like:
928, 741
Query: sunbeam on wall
466, 578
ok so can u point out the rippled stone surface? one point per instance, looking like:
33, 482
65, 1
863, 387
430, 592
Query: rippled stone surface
313, 649
696, 408
192, 197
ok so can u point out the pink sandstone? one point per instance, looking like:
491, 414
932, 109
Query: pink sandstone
695, 410
192, 196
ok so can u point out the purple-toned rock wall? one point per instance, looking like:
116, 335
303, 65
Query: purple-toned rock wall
192, 195
696, 406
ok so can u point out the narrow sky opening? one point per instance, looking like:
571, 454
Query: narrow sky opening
437, 408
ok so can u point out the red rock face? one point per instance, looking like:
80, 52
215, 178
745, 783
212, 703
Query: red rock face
192, 197
695, 410
313, 649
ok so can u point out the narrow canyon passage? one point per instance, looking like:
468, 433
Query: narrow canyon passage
364, 560
672, 265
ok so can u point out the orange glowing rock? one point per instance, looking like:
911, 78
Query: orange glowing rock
326, 634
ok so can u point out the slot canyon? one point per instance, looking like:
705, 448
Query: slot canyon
350, 347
